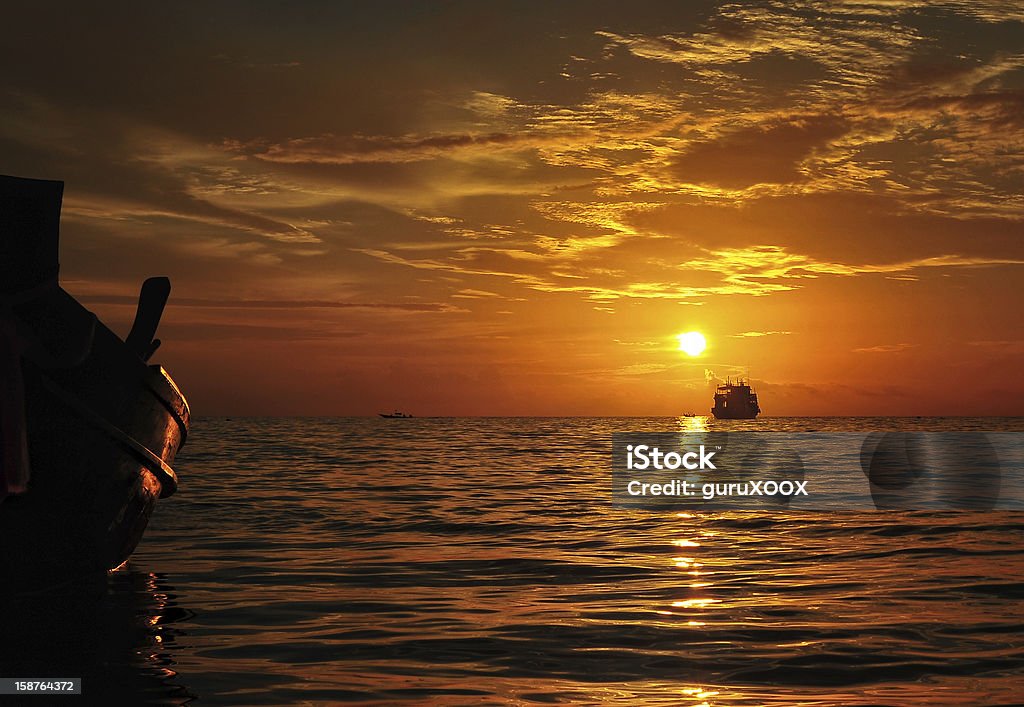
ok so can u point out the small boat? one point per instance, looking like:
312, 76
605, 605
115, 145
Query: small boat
88, 426
735, 401
395, 415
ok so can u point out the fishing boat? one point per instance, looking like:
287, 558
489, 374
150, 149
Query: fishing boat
395, 415
88, 426
735, 401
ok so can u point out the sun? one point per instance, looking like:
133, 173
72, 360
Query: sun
692, 343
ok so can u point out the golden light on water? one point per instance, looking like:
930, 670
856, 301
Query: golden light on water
695, 603
692, 424
692, 343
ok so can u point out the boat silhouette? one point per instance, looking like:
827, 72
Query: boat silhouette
395, 415
735, 401
88, 427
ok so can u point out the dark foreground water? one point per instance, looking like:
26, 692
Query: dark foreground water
479, 561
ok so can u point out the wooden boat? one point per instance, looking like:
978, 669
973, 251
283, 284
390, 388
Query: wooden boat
395, 415
88, 427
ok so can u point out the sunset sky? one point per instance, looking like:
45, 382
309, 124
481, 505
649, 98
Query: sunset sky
489, 208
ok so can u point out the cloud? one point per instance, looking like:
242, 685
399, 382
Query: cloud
475, 294
753, 271
884, 348
1000, 346
177, 332
761, 270
755, 334
884, 112
356, 149
768, 153
1000, 109
241, 304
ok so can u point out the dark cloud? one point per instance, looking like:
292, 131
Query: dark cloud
251, 333
1003, 109
331, 149
279, 304
763, 154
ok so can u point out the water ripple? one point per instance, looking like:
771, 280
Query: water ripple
480, 562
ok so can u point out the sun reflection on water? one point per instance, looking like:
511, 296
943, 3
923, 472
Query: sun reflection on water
695, 424
519, 575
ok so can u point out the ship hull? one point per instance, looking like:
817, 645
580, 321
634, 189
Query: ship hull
733, 414
101, 436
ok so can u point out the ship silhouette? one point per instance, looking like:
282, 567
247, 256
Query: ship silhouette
735, 401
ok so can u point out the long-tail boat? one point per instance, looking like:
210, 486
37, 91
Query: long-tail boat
88, 427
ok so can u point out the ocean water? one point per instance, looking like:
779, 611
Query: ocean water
480, 561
